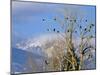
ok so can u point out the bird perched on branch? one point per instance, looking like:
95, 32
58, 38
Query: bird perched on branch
43, 19
46, 62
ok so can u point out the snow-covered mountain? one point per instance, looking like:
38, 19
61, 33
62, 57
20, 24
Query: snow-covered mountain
33, 47
40, 48
40, 41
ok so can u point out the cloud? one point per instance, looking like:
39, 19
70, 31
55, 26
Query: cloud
23, 12
30, 8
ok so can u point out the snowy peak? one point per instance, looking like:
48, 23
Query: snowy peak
39, 41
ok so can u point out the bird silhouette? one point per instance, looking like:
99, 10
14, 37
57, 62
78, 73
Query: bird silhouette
80, 27
90, 56
43, 19
55, 19
54, 29
57, 31
85, 20
66, 18
75, 20
70, 20
75, 31
89, 30
92, 24
46, 62
85, 29
67, 30
91, 36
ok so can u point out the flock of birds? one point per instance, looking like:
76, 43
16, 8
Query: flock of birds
54, 29
57, 31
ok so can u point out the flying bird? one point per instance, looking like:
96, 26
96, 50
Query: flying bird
47, 29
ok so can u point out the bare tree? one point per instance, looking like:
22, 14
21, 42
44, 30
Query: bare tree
74, 26
75, 46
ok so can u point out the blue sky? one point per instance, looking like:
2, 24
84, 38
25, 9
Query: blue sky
27, 17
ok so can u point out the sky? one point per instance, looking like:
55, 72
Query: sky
27, 17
